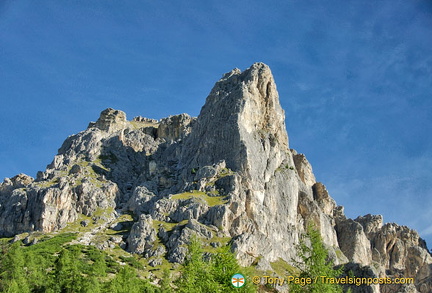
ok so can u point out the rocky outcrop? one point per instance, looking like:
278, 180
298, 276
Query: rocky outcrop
175, 127
227, 175
304, 169
394, 251
110, 120
142, 235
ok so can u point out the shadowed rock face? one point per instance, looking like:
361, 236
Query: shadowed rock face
229, 173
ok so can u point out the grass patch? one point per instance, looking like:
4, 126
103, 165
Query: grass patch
74, 227
168, 226
132, 261
159, 270
208, 248
102, 212
126, 221
225, 172
48, 246
47, 183
282, 268
213, 193
211, 200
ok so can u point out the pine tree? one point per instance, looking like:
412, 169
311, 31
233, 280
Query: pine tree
14, 271
211, 275
99, 267
196, 275
126, 281
315, 263
166, 281
223, 266
68, 277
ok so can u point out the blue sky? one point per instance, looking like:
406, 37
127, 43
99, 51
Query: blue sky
354, 78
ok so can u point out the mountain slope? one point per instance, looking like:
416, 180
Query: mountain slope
227, 175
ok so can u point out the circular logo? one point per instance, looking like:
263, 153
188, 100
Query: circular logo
238, 280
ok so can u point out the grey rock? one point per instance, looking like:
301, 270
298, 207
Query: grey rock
205, 172
159, 251
304, 169
323, 199
178, 255
84, 223
175, 127
116, 239
145, 120
76, 169
111, 119
142, 235
353, 241
155, 262
264, 265
192, 208
359, 271
199, 228
228, 184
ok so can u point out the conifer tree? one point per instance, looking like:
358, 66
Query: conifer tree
315, 263
14, 271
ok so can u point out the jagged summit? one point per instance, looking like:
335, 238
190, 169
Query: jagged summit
110, 119
227, 176
241, 118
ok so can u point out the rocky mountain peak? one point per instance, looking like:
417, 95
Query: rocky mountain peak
242, 117
254, 101
227, 176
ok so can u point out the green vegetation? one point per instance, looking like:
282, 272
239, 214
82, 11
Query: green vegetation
225, 172
211, 200
211, 275
314, 263
54, 265
91, 171
93, 222
282, 268
47, 183
168, 226
285, 167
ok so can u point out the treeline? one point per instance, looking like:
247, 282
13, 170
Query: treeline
51, 266
54, 266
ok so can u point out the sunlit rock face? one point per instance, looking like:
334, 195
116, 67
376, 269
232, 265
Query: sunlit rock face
227, 174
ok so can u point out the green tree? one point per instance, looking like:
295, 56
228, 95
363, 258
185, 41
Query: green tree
315, 263
126, 281
14, 270
211, 275
91, 285
196, 276
68, 276
166, 281
36, 272
98, 267
223, 266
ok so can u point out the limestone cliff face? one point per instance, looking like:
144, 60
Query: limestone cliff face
227, 174
243, 124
